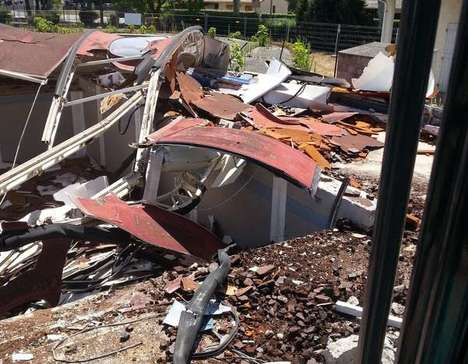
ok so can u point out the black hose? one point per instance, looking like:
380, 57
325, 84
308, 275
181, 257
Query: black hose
192, 319
337, 203
15, 239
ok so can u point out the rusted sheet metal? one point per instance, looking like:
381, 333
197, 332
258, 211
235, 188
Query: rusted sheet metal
338, 116
274, 155
32, 53
356, 143
221, 105
176, 126
96, 43
43, 281
190, 89
263, 118
216, 104
153, 225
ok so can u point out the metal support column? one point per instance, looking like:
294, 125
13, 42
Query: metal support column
413, 63
436, 320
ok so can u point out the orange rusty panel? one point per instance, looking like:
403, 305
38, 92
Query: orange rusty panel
153, 225
272, 154
221, 105
190, 89
263, 118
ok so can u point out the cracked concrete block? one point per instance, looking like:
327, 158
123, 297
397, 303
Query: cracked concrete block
344, 351
355, 206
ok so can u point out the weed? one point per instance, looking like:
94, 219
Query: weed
212, 32
235, 35
301, 55
262, 37
237, 57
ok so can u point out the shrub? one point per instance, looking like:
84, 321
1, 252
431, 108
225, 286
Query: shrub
111, 29
262, 37
235, 35
5, 15
237, 57
51, 16
88, 17
43, 25
147, 29
212, 32
301, 55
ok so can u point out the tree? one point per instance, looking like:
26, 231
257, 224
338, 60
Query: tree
338, 11
301, 9
236, 6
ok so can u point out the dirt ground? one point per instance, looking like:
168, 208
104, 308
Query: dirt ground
323, 63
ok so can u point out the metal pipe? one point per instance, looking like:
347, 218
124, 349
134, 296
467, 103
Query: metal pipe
437, 304
105, 94
413, 63
108, 60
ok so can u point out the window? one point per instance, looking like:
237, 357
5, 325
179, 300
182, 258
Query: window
248, 8
229, 6
274, 9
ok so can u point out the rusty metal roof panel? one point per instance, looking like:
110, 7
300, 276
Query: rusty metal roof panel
272, 154
33, 53
153, 225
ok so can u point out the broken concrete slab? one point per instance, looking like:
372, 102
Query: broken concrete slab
344, 351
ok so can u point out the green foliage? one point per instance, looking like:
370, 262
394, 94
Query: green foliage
262, 37
301, 55
5, 15
212, 32
235, 35
88, 17
131, 28
111, 29
302, 7
144, 29
237, 57
45, 26
337, 11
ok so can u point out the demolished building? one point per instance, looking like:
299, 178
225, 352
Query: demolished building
207, 145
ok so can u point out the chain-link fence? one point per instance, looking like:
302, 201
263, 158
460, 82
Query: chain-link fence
320, 36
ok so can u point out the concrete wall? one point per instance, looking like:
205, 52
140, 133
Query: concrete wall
277, 7
449, 15
248, 211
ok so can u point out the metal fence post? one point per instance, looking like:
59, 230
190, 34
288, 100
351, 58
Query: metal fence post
288, 28
206, 22
413, 63
245, 27
337, 41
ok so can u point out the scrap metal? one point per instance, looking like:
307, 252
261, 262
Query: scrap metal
292, 164
153, 225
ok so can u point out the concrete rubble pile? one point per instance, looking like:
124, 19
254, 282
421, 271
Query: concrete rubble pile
192, 160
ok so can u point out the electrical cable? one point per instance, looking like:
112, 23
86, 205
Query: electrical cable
233, 195
299, 92
129, 119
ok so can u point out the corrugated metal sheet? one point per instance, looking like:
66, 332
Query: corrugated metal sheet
153, 225
272, 154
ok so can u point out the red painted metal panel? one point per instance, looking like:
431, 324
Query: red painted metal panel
153, 225
282, 159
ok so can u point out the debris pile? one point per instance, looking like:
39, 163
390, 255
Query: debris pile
209, 145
